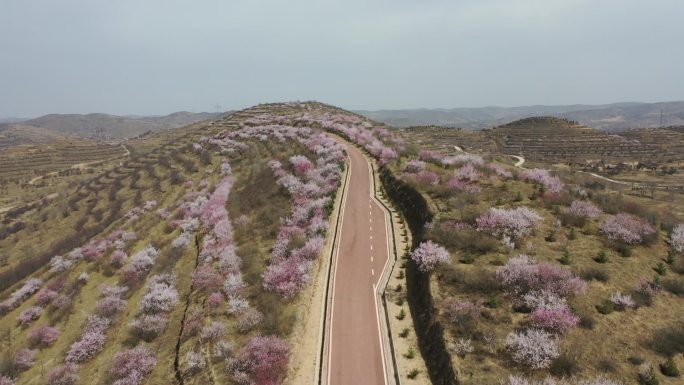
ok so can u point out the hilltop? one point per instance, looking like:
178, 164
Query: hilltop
104, 126
611, 117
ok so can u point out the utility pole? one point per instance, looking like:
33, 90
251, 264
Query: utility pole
218, 108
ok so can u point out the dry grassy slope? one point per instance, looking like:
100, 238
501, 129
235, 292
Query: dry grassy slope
616, 340
96, 206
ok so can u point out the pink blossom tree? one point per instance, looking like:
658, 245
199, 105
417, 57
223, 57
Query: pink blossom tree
43, 336
543, 177
533, 348
29, 315
25, 358
263, 360
131, 366
427, 177
63, 375
556, 319
428, 255
522, 275
414, 166
515, 223
627, 228
677, 238
622, 301
584, 209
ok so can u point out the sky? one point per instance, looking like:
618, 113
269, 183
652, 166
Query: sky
148, 57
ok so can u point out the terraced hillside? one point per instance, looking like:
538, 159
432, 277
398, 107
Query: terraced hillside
529, 275
670, 143
558, 140
28, 161
189, 263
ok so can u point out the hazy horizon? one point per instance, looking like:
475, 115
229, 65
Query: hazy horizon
158, 57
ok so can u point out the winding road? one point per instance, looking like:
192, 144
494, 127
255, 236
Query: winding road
355, 349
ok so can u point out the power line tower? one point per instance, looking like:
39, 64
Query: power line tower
218, 108
662, 117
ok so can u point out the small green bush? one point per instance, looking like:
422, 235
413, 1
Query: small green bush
404, 333
410, 354
606, 307
413, 374
669, 368
401, 315
625, 251
566, 259
551, 236
660, 268
572, 235
467, 259
601, 257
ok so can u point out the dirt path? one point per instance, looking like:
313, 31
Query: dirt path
356, 353
519, 161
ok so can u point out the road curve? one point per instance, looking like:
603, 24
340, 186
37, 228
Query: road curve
355, 354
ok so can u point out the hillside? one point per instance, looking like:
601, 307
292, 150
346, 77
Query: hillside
104, 126
183, 261
16, 134
612, 117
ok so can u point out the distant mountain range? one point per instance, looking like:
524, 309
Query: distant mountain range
609, 117
91, 126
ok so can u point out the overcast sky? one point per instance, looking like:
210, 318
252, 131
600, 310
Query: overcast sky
160, 56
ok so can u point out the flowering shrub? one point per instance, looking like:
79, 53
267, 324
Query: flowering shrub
249, 320
522, 275
414, 166
677, 238
533, 347
24, 359
140, 264
461, 311
20, 295
428, 255
471, 159
543, 177
111, 303
500, 171
584, 209
206, 279
287, 276
59, 264
301, 164
149, 326
161, 295
556, 319
29, 315
91, 342
63, 375
263, 360
600, 380
514, 223
118, 258
427, 178
43, 336
627, 228
213, 332
468, 173
215, 300
132, 365
622, 301
194, 361
5, 380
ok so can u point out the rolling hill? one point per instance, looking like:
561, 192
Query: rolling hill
610, 117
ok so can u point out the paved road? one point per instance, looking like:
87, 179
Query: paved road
356, 352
